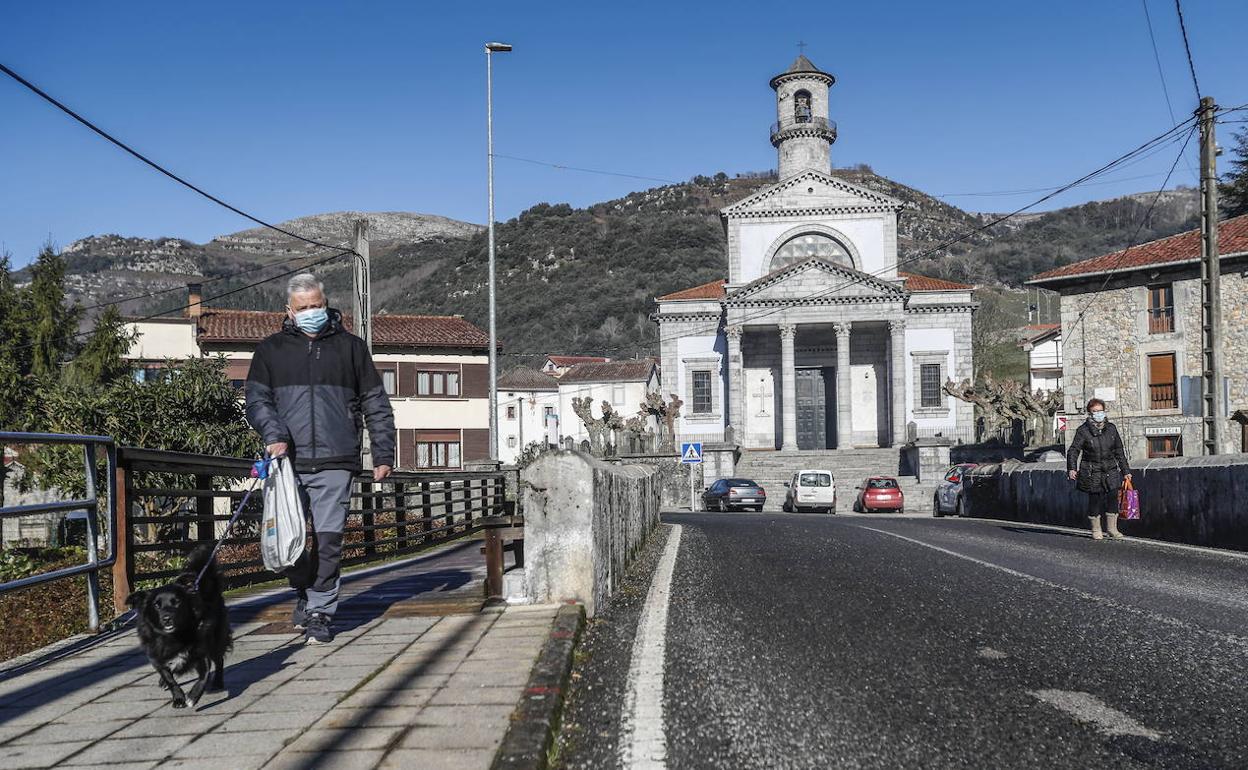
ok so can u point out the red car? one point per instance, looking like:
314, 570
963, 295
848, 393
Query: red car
880, 493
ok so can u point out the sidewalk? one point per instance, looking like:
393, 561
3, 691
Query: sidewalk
396, 688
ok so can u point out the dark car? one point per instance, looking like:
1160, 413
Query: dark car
726, 494
948, 496
880, 493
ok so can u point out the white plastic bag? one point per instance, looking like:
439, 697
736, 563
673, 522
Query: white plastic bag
283, 530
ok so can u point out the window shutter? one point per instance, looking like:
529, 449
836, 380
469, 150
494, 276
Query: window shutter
407, 448
476, 443
1161, 369
476, 381
407, 380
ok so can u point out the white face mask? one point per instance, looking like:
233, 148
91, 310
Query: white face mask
1098, 417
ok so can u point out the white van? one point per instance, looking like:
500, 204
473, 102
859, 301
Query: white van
813, 490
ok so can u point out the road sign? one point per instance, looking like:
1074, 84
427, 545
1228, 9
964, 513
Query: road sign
1061, 423
691, 452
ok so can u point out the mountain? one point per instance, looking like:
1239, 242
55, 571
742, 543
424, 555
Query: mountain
583, 279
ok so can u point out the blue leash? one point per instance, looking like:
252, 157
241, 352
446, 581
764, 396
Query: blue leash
259, 472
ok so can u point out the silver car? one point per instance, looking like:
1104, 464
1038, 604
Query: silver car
948, 496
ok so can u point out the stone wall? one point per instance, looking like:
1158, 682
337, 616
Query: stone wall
1196, 500
584, 521
672, 477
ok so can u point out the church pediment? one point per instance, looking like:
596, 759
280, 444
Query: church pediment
816, 280
811, 190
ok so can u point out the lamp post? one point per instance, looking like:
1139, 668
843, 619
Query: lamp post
490, 50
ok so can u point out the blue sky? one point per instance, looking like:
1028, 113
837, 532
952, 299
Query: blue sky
293, 108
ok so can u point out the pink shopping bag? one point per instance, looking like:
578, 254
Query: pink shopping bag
1128, 501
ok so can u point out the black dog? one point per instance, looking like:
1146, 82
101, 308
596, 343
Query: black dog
181, 628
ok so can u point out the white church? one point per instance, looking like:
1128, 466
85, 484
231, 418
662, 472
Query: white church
815, 340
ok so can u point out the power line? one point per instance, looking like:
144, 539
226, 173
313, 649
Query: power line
238, 290
1033, 190
1157, 58
153, 164
562, 167
1191, 65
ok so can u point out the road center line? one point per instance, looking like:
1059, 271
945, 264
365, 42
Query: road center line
1239, 641
1089, 709
643, 736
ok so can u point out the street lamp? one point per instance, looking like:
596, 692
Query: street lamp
490, 50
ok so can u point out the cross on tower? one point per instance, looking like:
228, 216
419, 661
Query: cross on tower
801, 48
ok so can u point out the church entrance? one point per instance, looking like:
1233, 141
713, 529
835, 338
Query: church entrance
816, 412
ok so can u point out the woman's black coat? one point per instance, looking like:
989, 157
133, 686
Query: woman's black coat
1099, 458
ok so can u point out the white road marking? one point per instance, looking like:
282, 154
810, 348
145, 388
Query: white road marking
1089, 709
643, 736
991, 654
1164, 619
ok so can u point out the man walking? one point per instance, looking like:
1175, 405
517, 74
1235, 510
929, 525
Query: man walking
310, 389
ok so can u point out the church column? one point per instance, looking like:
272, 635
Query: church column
736, 384
897, 349
788, 384
844, 400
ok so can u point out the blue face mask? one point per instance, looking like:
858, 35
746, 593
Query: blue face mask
311, 320
1098, 416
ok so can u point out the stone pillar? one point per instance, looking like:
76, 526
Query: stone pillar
897, 380
844, 400
736, 381
788, 386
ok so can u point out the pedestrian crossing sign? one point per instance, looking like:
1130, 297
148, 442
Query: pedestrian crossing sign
691, 452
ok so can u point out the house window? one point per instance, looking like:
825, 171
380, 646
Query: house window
929, 386
511, 442
1164, 446
549, 412
390, 381
702, 400
801, 107
437, 384
1161, 309
1163, 391
511, 412
617, 394
437, 454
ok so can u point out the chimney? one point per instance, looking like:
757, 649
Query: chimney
194, 297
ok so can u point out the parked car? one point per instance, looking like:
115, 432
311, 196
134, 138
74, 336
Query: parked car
880, 493
726, 494
948, 496
810, 490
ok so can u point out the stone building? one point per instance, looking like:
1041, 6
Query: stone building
814, 340
1132, 337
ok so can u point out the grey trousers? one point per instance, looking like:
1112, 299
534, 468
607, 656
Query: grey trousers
317, 575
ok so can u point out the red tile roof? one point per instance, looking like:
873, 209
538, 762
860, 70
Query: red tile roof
527, 379
1037, 332
713, 290
421, 331
924, 283
613, 371
716, 290
574, 360
1184, 247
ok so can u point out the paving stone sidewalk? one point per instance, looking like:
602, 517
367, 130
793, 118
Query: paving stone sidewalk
406, 692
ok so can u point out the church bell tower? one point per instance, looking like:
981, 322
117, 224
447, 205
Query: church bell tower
803, 134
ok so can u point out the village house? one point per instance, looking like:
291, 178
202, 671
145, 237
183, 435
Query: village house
435, 369
557, 366
1131, 328
528, 412
815, 340
624, 384
1043, 345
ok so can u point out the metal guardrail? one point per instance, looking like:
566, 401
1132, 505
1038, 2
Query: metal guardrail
157, 521
90, 503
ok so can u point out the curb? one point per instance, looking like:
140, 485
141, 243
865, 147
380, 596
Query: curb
532, 730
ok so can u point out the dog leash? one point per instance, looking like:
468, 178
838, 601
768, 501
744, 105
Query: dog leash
259, 472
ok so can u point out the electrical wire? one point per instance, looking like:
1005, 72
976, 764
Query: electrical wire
153, 164
1191, 65
562, 167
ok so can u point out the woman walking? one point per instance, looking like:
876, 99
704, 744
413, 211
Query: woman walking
1097, 461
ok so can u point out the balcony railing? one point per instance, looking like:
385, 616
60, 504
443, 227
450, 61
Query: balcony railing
1164, 396
801, 123
1160, 320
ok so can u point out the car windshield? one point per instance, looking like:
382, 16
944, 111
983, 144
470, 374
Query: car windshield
815, 480
741, 483
881, 484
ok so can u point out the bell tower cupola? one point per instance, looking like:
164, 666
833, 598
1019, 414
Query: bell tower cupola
802, 134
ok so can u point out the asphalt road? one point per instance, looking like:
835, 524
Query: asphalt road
874, 641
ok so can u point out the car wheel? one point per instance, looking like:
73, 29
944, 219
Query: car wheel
902, 509
936, 506
758, 509
784, 507
958, 509
830, 510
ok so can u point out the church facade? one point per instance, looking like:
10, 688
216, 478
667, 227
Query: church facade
814, 340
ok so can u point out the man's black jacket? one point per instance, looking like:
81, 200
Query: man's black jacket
316, 394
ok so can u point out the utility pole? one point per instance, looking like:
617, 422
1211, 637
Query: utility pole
1210, 284
362, 306
490, 50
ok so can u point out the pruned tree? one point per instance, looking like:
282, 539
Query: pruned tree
666, 413
599, 428
1000, 402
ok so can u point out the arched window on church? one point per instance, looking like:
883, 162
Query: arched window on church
802, 247
801, 107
